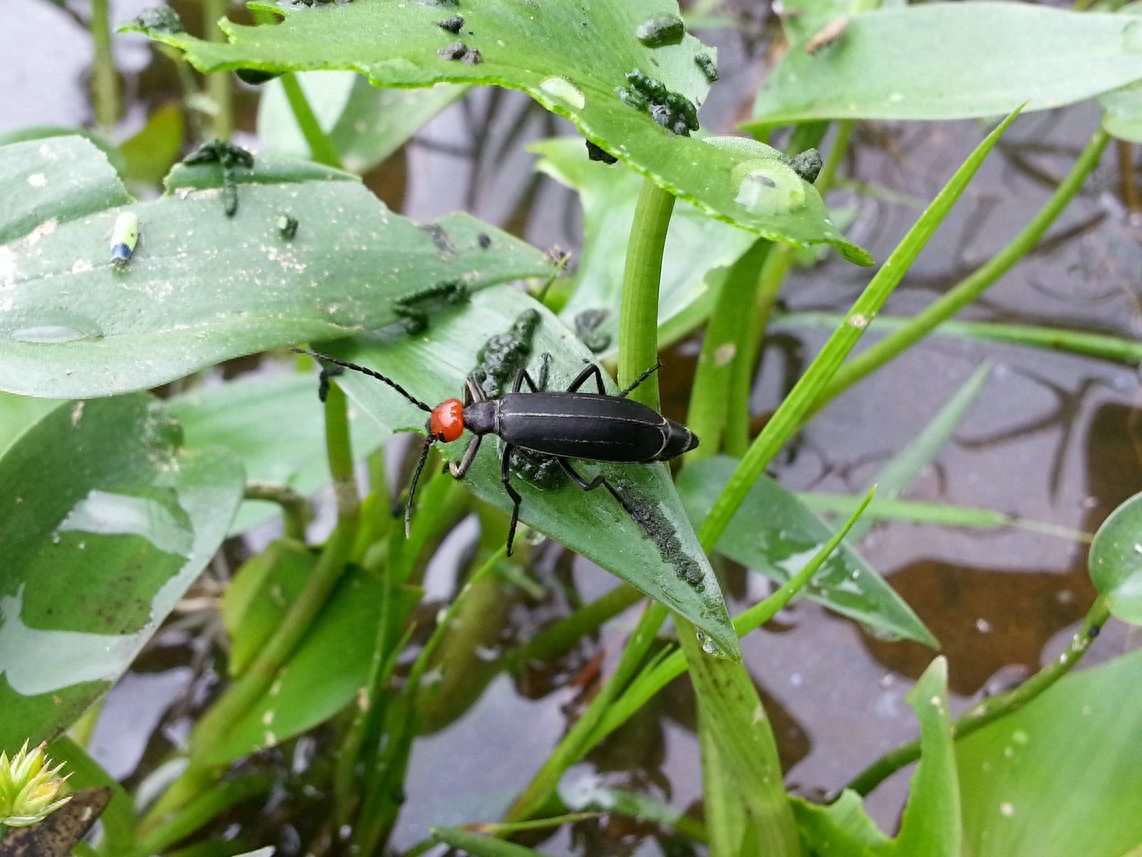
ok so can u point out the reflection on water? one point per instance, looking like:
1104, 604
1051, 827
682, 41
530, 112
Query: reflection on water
1054, 438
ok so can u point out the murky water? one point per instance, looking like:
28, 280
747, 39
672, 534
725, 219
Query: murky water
1054, 439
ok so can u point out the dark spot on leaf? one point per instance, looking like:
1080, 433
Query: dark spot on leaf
586, 328
808, 164
452, 24
439, 237
287, 226
255, 76
460, 51
484, 240
661, 31
706, 63
597, 153
413, 309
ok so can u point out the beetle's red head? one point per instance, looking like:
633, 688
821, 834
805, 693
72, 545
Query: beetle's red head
447, 421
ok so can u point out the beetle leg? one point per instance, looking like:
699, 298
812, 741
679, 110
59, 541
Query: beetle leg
544, 367
640, 379
581, 379
459, 469
505, 477
595, 483
520, 378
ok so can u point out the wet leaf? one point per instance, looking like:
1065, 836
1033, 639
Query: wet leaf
660, 555
695, 245
774, 533
277, 430
952, 61
104, 523
574, 57
1116, 561
931, 822
203, 287
1073, 754
364, 123
330, 665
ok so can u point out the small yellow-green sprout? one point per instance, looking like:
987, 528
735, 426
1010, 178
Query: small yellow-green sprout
30, 788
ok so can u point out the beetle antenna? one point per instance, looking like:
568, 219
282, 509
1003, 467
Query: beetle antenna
365, 370
428, 441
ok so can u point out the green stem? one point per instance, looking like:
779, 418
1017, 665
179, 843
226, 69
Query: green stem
993, 708
638, 320
1100, 345
218, 85
975, 285
104, 75
206, 806
297, 511
797, 405
718, 405
836, 156
321, 148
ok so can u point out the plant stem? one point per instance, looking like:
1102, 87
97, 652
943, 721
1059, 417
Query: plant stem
718, 408
321, 148
989, 710
809, 389
297, 511
104, 75
638, 319
218, 85
975, 285
1101, 345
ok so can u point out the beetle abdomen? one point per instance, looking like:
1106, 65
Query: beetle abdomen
590, 427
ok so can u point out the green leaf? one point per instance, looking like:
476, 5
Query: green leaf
1116, 563
104, 523
364, 123
573, 57
1063, 776
774, 533
275, 427
951, 61
695, 246
328, 668
203, 287
670, 567
930, 826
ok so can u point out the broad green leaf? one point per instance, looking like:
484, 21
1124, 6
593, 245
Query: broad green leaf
930, 826
364, 123
1063, 776
572, 56
203, 287
275, 427
775, 534
330, 665
695, 245
18, 414
1122, 112
951, 61
1116, 562
105, 522
670, 566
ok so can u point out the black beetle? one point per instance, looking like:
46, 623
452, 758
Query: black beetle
563, 425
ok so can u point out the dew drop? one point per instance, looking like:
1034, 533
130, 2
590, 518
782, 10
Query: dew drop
563, 90
768, 187
47, 334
